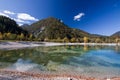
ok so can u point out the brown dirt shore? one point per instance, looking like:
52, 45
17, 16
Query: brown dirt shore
15, 75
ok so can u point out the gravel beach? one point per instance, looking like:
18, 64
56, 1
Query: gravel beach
15, 75
23, 44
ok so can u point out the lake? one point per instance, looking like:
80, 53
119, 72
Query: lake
95, 61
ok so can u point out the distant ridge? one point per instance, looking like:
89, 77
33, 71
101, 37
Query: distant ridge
117, 34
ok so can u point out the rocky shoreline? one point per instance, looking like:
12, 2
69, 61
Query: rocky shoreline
25, 44
15, 75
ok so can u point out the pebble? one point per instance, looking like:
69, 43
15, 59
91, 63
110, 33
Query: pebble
14, 75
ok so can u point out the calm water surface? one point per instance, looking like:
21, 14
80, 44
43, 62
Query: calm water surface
86, 60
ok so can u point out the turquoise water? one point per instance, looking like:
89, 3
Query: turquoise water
84, 60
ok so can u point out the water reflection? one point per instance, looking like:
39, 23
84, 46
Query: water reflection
41, 54
61, 58
44, 54
23, 65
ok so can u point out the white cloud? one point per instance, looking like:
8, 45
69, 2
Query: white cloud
20, 18
8, 12
3, 14
78, 17
25, 16
20, 24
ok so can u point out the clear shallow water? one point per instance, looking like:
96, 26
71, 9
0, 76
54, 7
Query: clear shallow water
102, 61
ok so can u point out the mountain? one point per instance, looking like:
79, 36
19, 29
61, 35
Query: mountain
53, 28
8, 25
49, 29
25, 25
117, 34
98, 35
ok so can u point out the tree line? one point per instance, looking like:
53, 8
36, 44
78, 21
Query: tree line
49, 30
11, 36
30, 37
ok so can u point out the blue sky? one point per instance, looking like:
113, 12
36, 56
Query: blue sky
94, 16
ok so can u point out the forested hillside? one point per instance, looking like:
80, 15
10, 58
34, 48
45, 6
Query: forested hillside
9, 30
53, 29
49, 29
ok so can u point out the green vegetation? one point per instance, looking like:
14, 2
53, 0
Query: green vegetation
50, 30
9, 30
8, 25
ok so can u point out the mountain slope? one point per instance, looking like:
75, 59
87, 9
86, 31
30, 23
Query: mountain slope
53, 28
8, 25
117, 34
